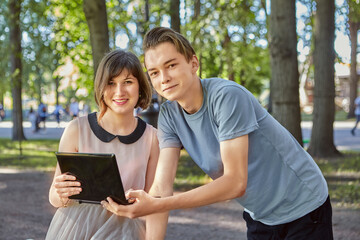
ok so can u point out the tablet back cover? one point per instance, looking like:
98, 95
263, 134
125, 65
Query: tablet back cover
98, 174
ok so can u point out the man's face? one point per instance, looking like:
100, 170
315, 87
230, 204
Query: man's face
170, 73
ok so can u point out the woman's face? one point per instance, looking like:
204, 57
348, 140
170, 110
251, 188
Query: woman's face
122, 93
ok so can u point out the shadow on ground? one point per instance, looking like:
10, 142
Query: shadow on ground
25, 213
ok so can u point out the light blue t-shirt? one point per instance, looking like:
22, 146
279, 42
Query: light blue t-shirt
284, 182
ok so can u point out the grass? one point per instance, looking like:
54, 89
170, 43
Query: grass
36, 154
189, 175
343, 178
342, 174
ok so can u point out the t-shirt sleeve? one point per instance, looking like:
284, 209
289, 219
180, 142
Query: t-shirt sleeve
166, 133
234, 112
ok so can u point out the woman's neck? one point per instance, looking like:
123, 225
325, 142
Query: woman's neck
118, 124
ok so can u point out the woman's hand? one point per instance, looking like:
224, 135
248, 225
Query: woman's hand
65, 186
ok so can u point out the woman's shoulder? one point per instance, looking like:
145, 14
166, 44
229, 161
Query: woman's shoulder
150, 127
72, 127
69, 139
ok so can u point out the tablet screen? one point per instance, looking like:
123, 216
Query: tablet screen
98, 173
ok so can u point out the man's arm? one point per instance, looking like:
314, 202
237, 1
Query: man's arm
232, 184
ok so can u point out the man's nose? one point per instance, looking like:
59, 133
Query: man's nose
165, 77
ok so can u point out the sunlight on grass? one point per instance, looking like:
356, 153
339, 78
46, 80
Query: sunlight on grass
189, 175
339, 116
343, 178
36, 154
349, 163
342, 174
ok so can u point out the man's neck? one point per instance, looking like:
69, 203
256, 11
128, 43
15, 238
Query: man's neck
193, 100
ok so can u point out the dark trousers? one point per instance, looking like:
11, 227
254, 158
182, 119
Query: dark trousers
316, 225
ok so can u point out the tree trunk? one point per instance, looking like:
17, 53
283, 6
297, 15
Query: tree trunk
96, 17
195, 17
147, 11
39, 84
353, 73
16, 69
1, 98
322, 134
197, 7
175, 15
57, 84
284, 66
142, 25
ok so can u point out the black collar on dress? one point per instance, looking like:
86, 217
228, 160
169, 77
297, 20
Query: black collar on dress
105, 136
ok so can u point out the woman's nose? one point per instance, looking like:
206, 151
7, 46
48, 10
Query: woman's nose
119, 89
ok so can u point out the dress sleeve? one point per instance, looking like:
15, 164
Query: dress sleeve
234, 112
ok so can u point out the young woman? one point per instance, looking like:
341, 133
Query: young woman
120, 86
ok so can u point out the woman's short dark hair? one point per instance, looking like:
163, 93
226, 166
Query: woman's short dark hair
110, 67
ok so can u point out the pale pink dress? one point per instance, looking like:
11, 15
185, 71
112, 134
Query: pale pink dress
90, 221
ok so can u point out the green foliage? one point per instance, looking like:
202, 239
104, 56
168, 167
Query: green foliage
37, 51
227, 37
4, 46
70, 39
354, 10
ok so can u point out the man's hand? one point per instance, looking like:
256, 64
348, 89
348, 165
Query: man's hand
143, 204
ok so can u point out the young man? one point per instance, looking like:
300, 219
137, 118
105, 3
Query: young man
250, 156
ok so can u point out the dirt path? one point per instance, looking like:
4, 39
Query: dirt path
25, 214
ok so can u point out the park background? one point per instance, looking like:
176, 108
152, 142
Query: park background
299, 58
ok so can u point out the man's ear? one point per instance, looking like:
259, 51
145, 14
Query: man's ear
194, 63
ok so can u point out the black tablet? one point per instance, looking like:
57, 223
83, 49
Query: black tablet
98, 174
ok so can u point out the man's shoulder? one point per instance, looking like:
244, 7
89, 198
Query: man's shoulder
219, 84
218, 88
169, 107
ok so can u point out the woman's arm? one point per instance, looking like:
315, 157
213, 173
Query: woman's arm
152, 163
64, 185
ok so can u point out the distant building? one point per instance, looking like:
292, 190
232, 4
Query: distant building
342, 89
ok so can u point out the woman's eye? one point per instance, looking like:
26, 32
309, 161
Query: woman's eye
110, 83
